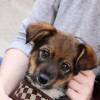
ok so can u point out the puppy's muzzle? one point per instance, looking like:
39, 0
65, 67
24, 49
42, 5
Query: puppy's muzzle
43, 79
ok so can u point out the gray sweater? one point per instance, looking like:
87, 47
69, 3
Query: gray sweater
78, 17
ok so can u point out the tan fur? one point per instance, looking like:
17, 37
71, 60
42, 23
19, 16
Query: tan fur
62, 48
60, 82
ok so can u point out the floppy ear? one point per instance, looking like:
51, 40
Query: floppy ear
36, 32
86, 58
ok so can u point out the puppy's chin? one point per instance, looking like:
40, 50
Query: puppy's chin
33, 80
47, 86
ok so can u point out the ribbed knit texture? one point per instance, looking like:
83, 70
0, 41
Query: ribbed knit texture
78, 17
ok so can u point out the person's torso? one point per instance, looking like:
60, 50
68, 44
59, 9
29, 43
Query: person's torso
82, 19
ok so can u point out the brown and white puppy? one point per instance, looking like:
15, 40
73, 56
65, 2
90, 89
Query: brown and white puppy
55, 58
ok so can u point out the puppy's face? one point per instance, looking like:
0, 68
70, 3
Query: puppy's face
56, 56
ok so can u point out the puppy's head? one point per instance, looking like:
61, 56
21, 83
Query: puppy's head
56, 56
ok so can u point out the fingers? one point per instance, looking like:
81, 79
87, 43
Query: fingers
79, 78
89, 78
77, 87
73, 95
74, 85
88, 73
81, 86
86, 76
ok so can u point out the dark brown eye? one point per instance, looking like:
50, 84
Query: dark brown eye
44, 54
65, 67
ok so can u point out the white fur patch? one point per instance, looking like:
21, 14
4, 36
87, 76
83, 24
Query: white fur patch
54, 93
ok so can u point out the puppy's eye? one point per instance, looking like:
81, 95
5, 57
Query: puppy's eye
65, 67
44, 54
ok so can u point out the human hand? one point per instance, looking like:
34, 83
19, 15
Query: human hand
81, 86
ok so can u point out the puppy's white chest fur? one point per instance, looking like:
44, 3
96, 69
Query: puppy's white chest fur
54, 93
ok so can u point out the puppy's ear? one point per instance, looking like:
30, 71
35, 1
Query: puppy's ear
86, 58
36, 32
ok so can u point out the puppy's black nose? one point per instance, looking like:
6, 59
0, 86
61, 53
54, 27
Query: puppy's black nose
43, 79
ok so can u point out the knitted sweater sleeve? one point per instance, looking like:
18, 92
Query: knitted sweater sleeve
42, 11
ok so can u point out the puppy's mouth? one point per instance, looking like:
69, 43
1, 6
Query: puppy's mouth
41, 81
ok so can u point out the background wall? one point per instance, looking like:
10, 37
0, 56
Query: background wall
12, 13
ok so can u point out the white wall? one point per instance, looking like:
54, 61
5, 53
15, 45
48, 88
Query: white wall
12, 13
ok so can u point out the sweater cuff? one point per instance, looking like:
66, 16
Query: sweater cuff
25, 48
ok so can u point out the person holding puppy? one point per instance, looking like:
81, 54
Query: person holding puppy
80, 18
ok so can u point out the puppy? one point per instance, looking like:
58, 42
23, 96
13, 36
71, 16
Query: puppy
55, 58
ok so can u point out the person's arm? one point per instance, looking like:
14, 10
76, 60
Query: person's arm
81, 86
16, 59
12, 71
